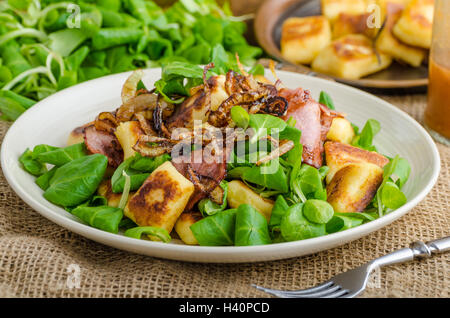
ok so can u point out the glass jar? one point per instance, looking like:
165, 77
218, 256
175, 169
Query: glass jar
437, 113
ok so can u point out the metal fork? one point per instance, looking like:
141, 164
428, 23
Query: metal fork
351, 283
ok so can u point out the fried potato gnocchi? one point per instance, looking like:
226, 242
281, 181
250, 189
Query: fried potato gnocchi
338, 155
332, 8
341, 130
389, 44
353, 24
128, 134
183, 226
350, 57
401, 30
218, 92
161, 199
354, 186
415, 24
303, 38
354, 177
383, 5
239, 193
105, 190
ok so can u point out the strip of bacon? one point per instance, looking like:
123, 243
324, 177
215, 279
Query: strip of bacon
313, 119
98, 141
204, 170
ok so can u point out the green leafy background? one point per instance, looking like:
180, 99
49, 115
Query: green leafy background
40, 54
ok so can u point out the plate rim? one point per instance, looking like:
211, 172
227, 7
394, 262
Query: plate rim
208, 254
264, 38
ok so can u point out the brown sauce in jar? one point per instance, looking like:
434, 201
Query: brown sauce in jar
437, 114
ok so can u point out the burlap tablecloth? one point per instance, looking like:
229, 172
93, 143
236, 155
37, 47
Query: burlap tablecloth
35, 255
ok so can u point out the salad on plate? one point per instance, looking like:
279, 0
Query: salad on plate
220, 156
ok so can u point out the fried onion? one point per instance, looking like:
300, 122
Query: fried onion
106, 121
130, 87
134, 105
143, 122
285, 146
220, 117
275, 105
158, 122
153, 146
216, 195
194, 178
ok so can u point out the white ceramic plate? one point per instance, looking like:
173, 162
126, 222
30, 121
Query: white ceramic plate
51, 120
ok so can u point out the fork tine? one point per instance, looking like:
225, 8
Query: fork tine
323, 290
296, 292
322, 293
314, 289
350, 294
268, 290
337, 294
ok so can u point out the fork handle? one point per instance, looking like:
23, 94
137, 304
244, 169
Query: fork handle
440, 245
416, 250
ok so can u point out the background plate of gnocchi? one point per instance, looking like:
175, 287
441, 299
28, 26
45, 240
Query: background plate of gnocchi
378, 45
51, 121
